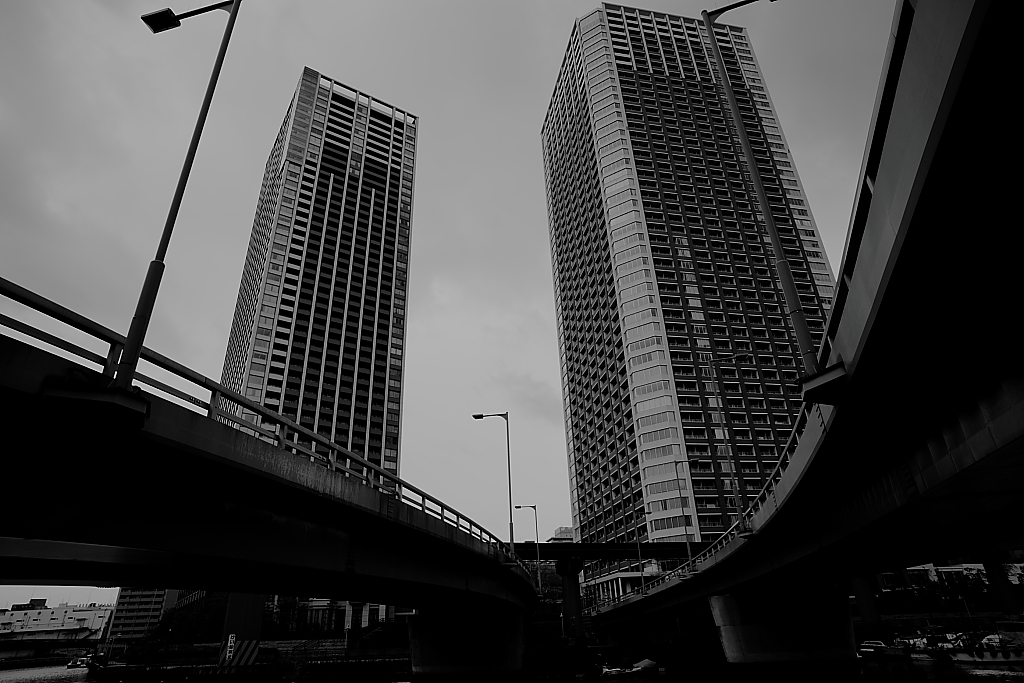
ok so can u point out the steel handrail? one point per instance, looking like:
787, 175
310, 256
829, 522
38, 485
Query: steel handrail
693, 565
218, 392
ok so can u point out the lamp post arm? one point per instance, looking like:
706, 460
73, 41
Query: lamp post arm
782, 267
147, 299
193, 145
209, 8
722, 10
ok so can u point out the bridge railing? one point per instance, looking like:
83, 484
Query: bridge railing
739, 528
232, 408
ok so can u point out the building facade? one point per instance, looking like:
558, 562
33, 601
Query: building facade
35, 621
663, 273
319, 326
562, 534
138, 612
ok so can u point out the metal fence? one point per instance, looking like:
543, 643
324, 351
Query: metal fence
229, 407
768, 491
692, 566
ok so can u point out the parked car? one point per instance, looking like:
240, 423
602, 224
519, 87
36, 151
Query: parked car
872, 648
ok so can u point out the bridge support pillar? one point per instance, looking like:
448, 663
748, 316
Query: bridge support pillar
243, 623
467, 640
572, 607
866, 602
995, 574
789, 625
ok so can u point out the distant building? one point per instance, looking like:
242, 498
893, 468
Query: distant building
34, 603
319, 328
35, 621
138, 612
563, 534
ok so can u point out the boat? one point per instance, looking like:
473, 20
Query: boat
1005, 647
645, 666
985, 656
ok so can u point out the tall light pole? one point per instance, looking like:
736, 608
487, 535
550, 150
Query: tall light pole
508, 450
536, 534
159, 21
734, 464
792, 299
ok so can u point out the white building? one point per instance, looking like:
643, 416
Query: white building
64, 622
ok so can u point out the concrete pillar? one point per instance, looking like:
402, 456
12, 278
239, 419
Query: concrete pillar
867, 605
572, 606
243, 623
471, 641
789, 624
995, 574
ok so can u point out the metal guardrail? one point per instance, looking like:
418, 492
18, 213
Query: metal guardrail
282, 432
693, 565
767, 492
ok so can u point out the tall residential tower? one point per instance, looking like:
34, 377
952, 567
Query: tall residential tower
319, 327
663, 272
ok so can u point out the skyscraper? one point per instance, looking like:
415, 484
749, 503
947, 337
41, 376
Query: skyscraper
319, 327
663, 272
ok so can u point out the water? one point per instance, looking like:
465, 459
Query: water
44, 674
869, 673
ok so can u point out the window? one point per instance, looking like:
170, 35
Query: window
660, 452
666, 486
670, 504
660, 470
671, 522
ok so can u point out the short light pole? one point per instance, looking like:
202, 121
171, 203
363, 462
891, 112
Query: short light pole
508, 450
536, 534
158, 22
792, 299
639, 555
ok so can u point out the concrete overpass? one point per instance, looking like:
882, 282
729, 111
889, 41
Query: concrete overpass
129, 488
109, 488
910, 443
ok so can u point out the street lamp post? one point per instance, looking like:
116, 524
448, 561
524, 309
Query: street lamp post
639, 555
508, 451
536, 534
740, 497
792, 299
159, 21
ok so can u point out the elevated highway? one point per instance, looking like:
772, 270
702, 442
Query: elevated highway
104, 487
96, 496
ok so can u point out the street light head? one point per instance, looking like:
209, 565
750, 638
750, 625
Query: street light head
161, 20
478, 416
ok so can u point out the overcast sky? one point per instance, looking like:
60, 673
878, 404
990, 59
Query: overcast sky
95, 117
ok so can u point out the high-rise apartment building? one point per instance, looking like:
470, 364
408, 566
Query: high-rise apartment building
663, 271
319, 327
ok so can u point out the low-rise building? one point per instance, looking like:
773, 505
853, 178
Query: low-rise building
35, 621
